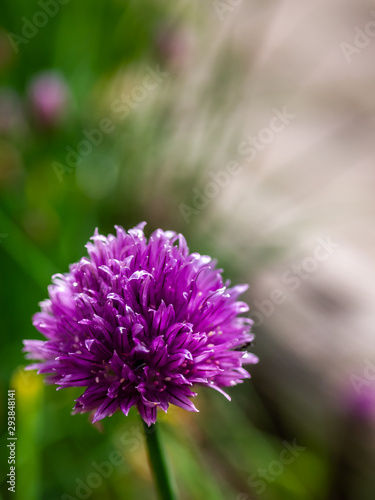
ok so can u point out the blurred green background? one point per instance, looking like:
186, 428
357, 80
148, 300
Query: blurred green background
118, 111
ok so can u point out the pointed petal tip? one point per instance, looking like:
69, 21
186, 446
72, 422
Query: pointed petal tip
250, 358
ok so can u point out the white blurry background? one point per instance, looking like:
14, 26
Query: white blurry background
313, 181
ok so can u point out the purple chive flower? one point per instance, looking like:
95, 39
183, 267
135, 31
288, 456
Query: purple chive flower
139, 323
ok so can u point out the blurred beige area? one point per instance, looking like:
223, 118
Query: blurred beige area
311, 179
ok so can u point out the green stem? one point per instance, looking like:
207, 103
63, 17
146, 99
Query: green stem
158, 463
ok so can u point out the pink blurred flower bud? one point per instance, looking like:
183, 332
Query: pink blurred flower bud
361, 403
172, 46
49, 99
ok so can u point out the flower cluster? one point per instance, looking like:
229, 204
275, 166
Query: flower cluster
138, 323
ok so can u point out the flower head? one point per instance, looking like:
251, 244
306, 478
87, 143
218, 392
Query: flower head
139, 323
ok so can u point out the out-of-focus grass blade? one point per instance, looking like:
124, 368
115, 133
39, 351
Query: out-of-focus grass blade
25, 252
